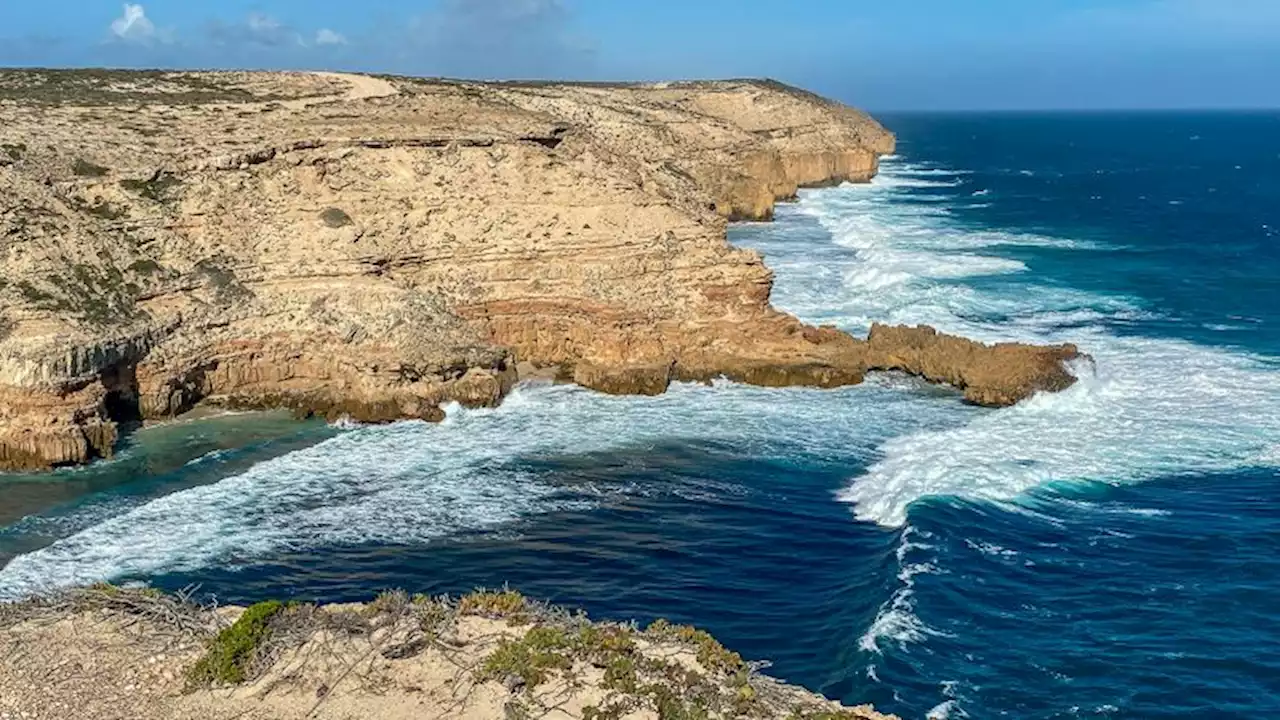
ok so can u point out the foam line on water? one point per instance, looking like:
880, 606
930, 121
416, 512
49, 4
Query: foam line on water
896, 621
1155, 408
1146, 407
413, 483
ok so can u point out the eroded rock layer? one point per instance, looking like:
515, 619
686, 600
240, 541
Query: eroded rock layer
350, 245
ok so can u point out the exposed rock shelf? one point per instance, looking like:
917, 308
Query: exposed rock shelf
374, 247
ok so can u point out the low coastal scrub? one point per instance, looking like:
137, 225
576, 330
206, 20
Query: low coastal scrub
228, 660
100, 87
499, 605
490, 646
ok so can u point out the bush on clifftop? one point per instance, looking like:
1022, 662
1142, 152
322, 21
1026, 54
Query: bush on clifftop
229, 655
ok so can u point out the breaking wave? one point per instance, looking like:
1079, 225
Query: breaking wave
891, 251
1144, 408
415, 483
896, 621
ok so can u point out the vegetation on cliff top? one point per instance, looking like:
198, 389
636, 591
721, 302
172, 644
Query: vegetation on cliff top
227, 660
531, 650
103, 86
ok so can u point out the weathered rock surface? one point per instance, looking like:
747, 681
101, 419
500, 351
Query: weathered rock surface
352, 245
993, 375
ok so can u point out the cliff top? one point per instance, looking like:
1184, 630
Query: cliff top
106, 652
90, 86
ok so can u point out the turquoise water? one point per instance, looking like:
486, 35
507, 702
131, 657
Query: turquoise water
1112, 551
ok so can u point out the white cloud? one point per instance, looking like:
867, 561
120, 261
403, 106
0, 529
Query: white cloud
264, 24
135, 26
325, 36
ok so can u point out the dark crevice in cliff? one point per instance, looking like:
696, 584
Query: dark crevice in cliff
550, 143
121, 405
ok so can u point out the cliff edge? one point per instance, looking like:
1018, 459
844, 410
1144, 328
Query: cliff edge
115, 654
376, 246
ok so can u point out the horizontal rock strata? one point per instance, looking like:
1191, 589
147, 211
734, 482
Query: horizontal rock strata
351, 245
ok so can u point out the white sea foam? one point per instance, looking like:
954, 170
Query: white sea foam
344, 423
1155, 408
890, 259
1149, 408
950, 708
1268, 456
212, 456
910, 181
413, 483
1145, 408
946, 711
991, 549
898, 169
896, 620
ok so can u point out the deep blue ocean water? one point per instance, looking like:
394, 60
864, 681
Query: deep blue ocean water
1112, 551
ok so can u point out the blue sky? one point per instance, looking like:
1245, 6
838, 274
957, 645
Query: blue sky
896, 54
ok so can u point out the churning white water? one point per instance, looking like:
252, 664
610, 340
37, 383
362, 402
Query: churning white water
889, 251
1144, 407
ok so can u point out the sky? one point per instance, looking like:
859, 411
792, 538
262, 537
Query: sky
878, 54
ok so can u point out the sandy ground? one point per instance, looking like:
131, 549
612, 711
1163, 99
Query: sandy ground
130, 660
362, 87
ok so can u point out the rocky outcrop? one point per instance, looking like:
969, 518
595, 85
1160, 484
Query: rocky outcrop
993, 375
269, 239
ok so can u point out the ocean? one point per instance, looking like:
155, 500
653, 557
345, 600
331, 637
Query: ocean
1111, 551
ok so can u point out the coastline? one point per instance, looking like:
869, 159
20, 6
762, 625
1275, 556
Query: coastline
382, 246
1131, 482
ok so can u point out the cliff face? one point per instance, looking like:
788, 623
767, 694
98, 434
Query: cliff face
348, 245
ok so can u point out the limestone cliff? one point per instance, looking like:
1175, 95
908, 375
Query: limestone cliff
373, 247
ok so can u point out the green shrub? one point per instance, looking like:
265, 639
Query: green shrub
229, 655
711, 654
531, 658
504, 604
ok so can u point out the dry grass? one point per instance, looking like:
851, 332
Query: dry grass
175, 615
541, 654
102, 86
